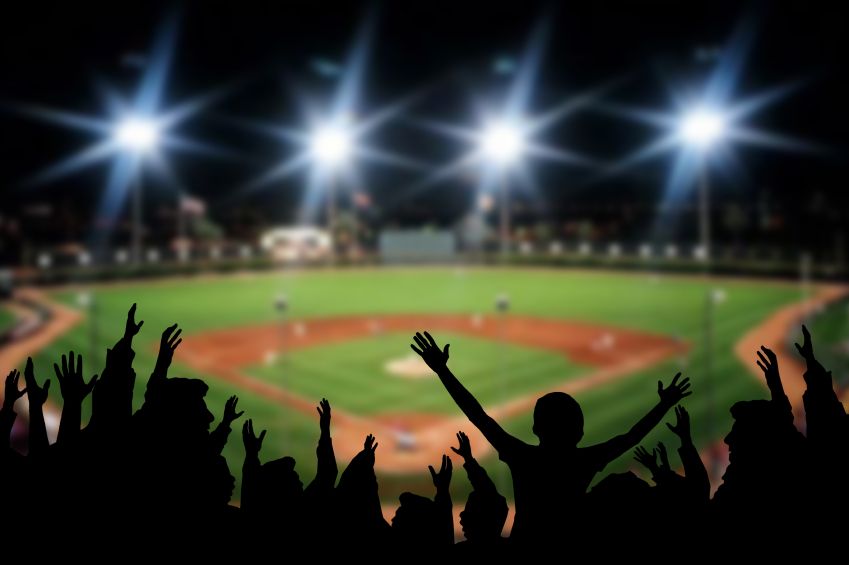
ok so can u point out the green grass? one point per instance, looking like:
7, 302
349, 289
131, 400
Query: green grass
670, 306
354, 371
7, 319
830, 332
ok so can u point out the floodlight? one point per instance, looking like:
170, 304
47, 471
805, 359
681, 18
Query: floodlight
330, 145
502, 143
702, 128
137, 134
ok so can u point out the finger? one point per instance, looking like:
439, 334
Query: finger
239, 414
445, 351
46, 387
659, 387
422, 343
675, 379
798, 348
413, 347
671, 428
374, 447
432, 471
764, 369
176, 336
806, 333
179, 341
262, 435
80, 365
430, 339
762, 357
58, 372
686, 394
455, 450
64, 364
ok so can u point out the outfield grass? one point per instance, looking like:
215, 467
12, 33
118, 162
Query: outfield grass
830, 330
7, 319
355, 373
670, 306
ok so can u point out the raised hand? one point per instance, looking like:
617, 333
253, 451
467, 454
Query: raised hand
682, 426
323, 409
37, 395
664, 458
230, 414
252, 443
167, 345
646, 459
768, 363
370, 444
70, 377
435, 358
676, 391
442, 480
807, 347
132, 328
465, 448
11, 393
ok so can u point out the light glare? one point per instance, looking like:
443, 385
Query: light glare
330, 145
702, 128
137, 134
502, 143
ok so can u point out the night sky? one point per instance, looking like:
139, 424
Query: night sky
270, 54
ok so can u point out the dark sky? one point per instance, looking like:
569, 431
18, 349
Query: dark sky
52, 54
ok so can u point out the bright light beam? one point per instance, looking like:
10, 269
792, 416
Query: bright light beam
330, 146
502, 143
137, 134
702, 127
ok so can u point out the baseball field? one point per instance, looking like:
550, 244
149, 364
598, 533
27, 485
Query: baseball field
606, 338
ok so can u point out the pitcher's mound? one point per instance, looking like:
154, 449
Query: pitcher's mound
409, 367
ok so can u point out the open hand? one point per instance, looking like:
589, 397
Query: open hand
673, 394
682, 426
465, 448
11, 393
435, 358
442, 480
132, 328
230, 414
70, 377
167, 345
369, 444
37, 395
252, 443
768, 363
323, 409
646, 459
664, 458
807, 347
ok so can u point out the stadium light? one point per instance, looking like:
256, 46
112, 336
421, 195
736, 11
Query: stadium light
331, 145
138, 135
702, 128
502, 143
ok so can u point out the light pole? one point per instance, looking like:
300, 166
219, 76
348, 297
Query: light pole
138, 136
501, 145
700, 129
331, 148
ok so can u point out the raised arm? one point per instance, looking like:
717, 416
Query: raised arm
606, 452
695, 474
442, 482
74, 390
326, 471
437, 360
38, 442
218, 437
477, 475
250, 468
11, 395
824, 413
768, 363
167, 345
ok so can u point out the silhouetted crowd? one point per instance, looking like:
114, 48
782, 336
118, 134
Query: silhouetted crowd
134, 484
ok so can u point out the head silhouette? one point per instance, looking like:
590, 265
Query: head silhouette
483, 517
558, 419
